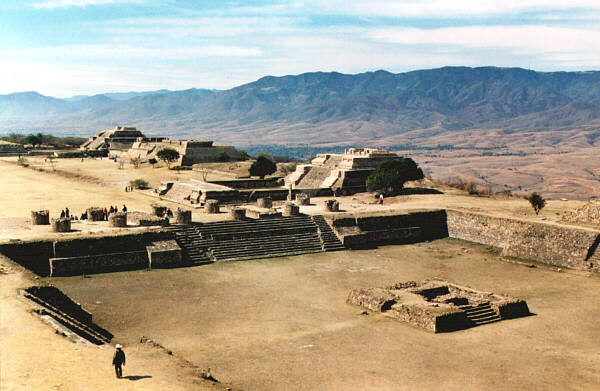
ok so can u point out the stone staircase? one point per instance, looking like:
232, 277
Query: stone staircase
252, 239
481, 314
194, 248
89, 331
329, 239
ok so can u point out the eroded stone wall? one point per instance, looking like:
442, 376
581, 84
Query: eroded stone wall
553, 244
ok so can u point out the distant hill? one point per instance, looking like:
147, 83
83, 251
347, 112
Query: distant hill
381, 108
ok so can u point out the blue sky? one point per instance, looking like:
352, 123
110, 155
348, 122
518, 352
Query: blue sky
70, 47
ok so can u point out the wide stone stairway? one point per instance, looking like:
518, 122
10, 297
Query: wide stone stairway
251, 239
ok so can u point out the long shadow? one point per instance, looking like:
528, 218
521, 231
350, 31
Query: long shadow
134, 378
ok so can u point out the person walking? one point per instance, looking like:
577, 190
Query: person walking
381, 199
118, 360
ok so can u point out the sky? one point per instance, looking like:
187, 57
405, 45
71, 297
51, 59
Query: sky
63, 48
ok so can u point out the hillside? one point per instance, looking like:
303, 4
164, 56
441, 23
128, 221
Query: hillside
419, 107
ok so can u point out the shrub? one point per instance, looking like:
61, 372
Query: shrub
139, 184
152, 161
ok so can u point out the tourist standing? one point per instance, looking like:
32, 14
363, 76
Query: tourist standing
118, 360
381, 199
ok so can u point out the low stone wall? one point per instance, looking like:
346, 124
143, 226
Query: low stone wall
250, 183
511, 309
31, 254
374, 299
64, 303
556, 245
107, 244
362, 230
98, 263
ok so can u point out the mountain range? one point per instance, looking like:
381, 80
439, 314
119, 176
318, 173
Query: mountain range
461, 106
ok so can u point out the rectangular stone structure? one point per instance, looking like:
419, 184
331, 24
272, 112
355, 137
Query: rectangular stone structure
166, 253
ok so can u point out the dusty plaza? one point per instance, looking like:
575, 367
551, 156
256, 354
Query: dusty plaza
283, 322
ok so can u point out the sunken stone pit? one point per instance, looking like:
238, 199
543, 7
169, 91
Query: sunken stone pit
438, 306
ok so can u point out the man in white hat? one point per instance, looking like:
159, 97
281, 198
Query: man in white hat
118, 360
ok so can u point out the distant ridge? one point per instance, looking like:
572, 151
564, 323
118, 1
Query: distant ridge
334, 108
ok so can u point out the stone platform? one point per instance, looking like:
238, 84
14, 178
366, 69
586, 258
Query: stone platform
438, 306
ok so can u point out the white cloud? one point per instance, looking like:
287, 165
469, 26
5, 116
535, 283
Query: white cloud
199, 27
126, 53
51, 4
529, 39
447, 8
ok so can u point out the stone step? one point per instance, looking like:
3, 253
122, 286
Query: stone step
83, 330
268, 255
271, 249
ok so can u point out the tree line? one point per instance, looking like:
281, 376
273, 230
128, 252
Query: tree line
39, 139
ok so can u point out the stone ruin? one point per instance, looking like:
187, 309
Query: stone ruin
118, 219
61, 225
332, 205
95, 213
190, 151
438, 306
121, 138
587, 214
346, 173
290, 209
40, 217
183, 217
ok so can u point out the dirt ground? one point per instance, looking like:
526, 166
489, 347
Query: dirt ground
101, 183
34, 358
283, 324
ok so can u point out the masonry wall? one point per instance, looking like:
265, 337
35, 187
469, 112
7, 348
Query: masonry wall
557, 245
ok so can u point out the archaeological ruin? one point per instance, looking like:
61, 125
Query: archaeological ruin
438, 306
128, 142
345, 173
121, 138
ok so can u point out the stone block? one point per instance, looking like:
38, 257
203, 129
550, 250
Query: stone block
211, 206
183, 216
118, 219
40, 217
290, 209
266, 202
95, 213
61, 225
237, 213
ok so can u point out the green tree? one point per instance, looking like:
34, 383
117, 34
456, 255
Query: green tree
33, 140
391, 176
223, 157
537, 202
262, 166
168, 155
152, 161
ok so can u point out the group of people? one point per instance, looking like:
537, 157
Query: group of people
66, 213
113, 209
168, 213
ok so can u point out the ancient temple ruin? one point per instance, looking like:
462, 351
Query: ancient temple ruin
121, 138
346, 172
128, 142
190, 151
